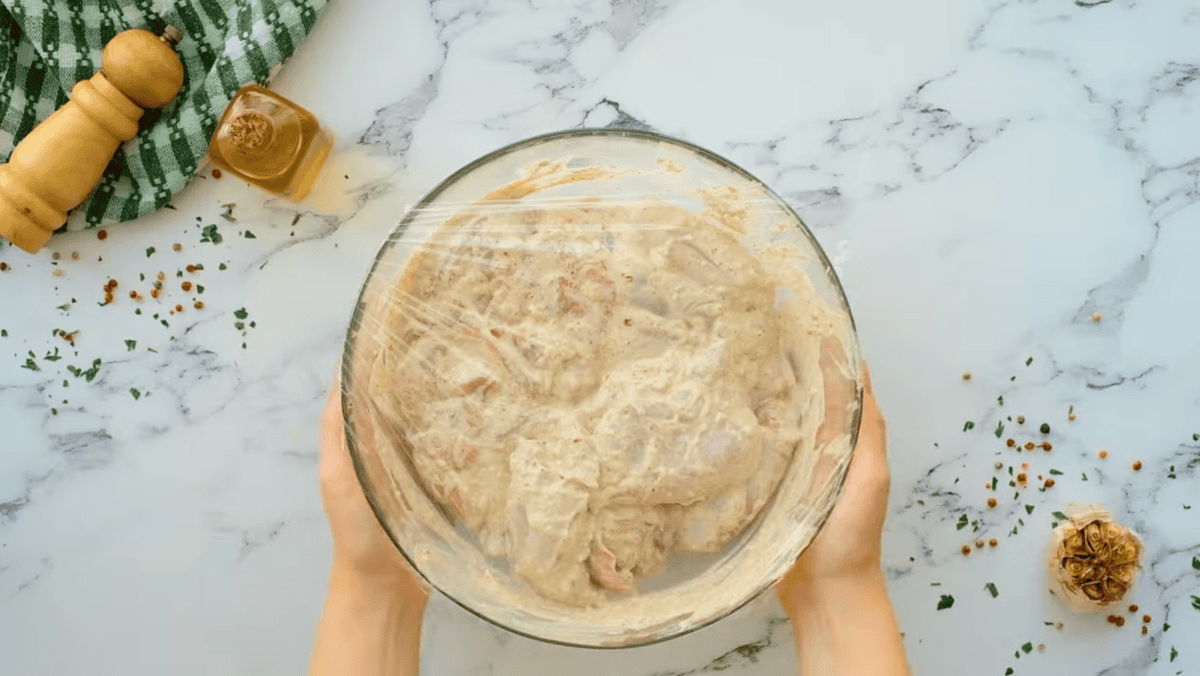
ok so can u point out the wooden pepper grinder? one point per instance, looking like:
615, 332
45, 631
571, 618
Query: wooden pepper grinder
58, 164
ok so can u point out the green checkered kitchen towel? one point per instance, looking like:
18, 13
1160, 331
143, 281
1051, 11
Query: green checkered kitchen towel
46, 46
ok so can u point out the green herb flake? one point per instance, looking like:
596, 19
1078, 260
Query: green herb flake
1029, 361
1029, 509
962, 522
993, 483
241, 313
138, 311
1174, 653
1027, 648
240, 326
3, 333
1195, 563
52, 357
1009, 672
255, 325
967, 426
1000, 400
1055, 472
227, 211
199, 288
1071, 409
221, 267
150, 251
1060, 516
209, 234
991, 588
54, 411
131, 345
1084, 475
31, 365
1196, 602
250, 235
999, 429
136, 394
1045, 428
64, 307
945, 602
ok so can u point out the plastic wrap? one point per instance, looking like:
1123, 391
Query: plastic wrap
601, 387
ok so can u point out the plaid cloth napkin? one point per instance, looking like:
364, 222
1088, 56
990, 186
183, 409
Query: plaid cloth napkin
46, 46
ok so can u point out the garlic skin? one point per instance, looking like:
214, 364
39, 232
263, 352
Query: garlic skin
1093, 561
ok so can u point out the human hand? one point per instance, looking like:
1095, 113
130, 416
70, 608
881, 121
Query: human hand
363, 555
849, 548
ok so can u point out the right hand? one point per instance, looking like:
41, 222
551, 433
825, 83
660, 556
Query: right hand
849, 546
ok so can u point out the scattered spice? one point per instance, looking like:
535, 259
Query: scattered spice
968, 426
186, 286
191, 268
161, 275
179, 308
74, 255
133, 294
1133, 608
55, 256
946, 601
1146, 619
177, 246
199, 305
155, 292
1103, 454
1097, 317
1049, 483
979, 544
1070, 416
1046, 446
1022, 478
108, 297
991, 502
1145, 630
1137, 466
993, 542
999, 465
216, 173
1011, 442
3, 266
101, 234
1020, 420
991, 588
57, 272
966, 374
966, 549
1120, 621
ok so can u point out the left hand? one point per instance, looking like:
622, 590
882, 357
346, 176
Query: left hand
361, 548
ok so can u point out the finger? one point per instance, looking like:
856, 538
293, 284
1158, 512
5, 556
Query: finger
334, 459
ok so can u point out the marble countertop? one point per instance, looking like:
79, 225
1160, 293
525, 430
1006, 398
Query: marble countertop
985, 176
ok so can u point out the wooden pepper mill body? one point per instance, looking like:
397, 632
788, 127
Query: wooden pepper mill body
58, 164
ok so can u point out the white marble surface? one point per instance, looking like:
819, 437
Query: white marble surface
985, 176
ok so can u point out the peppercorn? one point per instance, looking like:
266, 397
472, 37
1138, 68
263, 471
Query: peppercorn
1137, 466
199, 305
1011, 442
991, 502
1145, 630
1146, 619
191, 268
966, 549
1049, 483
1029, 445
1046, 446
1133, 608
101, 234
112, 284
1120, 621
1103, 454
1045, 428
979, 544
186, 286
3, 267
993, 542
179, 308
216, 173
1020, 420
133, 294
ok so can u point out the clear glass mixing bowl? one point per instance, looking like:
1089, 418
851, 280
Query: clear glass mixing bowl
695, 590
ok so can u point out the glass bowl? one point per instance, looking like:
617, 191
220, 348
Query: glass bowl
694, 589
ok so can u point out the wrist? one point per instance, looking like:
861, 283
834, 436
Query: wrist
383, 591
811, 594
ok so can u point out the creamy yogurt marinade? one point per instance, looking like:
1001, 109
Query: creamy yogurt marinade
591, 386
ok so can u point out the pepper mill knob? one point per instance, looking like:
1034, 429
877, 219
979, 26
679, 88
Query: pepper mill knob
58, 164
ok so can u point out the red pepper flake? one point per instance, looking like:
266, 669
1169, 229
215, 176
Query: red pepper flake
1137, 466
186, 286
101, 234
216, 173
